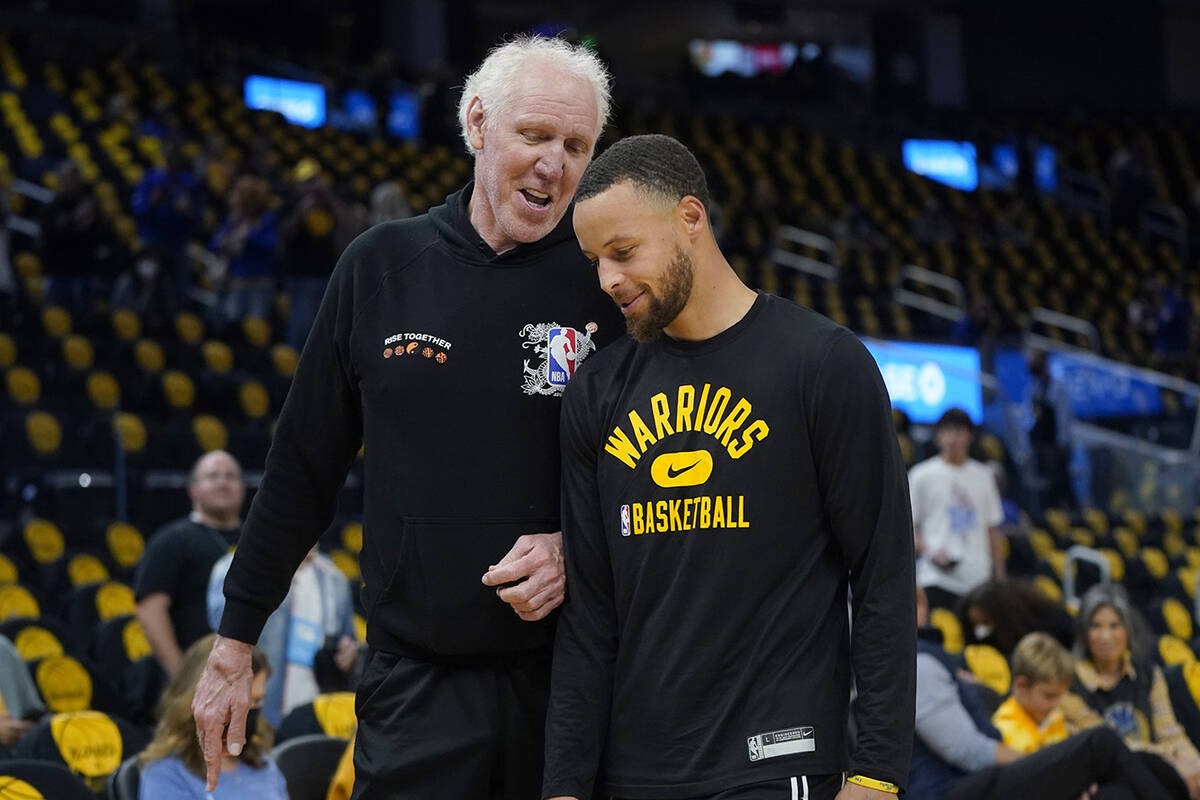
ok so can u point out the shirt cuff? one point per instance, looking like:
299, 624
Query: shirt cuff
242, 621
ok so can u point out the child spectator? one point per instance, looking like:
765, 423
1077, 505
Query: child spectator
1042, 673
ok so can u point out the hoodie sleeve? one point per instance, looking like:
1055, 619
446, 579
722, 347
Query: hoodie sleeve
317, 436
865, 494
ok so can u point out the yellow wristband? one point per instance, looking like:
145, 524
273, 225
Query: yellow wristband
871, 783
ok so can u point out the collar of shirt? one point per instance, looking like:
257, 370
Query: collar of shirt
1086, 672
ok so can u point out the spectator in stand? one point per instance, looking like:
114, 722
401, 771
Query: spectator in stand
956, 509
1173, 328
980, 327
959, 755
246, 240
1118, 684
1050, 436
76, 243
172, 764
20, 703
317, 614
1002, 612
143, 288
173, 576
312, 237
388, 202
168, 205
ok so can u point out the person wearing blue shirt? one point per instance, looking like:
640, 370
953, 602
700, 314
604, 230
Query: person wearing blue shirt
319, 606
168, 205
247, 239
172, 764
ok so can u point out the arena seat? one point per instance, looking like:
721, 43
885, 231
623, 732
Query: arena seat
330, 714
90, 744
37, 779
308, 764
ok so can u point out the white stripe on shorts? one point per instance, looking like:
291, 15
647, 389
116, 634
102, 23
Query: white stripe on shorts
795, 790
800, 789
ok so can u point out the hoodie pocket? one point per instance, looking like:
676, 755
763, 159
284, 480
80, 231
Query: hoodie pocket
436, 599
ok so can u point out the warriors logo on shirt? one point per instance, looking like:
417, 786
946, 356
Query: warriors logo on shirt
560, 349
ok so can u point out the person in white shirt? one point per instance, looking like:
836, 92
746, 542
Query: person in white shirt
956, 508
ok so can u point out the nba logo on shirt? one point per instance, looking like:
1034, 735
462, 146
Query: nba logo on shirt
624, 520
560, 365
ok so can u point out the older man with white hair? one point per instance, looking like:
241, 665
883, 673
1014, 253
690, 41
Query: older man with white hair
443, 344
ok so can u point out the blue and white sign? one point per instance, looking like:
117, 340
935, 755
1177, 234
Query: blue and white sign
302, 103
948, 162
1100, 388
926, 380
404, 114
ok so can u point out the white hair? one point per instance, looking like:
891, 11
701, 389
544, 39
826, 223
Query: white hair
493, 81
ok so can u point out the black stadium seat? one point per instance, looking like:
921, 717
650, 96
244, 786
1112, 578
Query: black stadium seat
308, 764
50, 781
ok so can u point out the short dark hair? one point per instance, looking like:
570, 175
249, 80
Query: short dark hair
954, 418
653, 163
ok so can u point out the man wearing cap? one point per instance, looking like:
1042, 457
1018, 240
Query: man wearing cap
956, 508
314, 232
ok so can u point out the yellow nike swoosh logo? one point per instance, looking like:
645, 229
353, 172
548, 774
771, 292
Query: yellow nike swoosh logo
689, 468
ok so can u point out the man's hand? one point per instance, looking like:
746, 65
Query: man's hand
852, 791
1192, 779
12, 729
222, 698
536, 562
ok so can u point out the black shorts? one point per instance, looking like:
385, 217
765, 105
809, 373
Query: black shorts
799, 787
435, 731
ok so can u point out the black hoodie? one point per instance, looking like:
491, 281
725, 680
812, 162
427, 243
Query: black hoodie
448, 361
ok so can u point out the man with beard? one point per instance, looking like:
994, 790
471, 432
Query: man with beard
729, 475
442, 345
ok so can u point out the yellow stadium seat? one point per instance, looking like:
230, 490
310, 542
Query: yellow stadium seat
149, 356
284, 358
947, 622
23, 386
217, 356
125, 544
44, 540
254, 400
8, 351
33, 643
16, 602
189, 328
43, 432
126, 325
1173, 650
179, 389
84, 569
56, 321
103, 390
210, 432
132, 432
352, 537
257, 331
989, 666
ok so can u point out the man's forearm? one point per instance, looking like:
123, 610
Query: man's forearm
996, 538
153, 614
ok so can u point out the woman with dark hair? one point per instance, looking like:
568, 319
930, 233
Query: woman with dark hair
1000, 612
173, 765
1118, 684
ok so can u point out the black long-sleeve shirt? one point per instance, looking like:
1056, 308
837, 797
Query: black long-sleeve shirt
719, 498
448, 362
